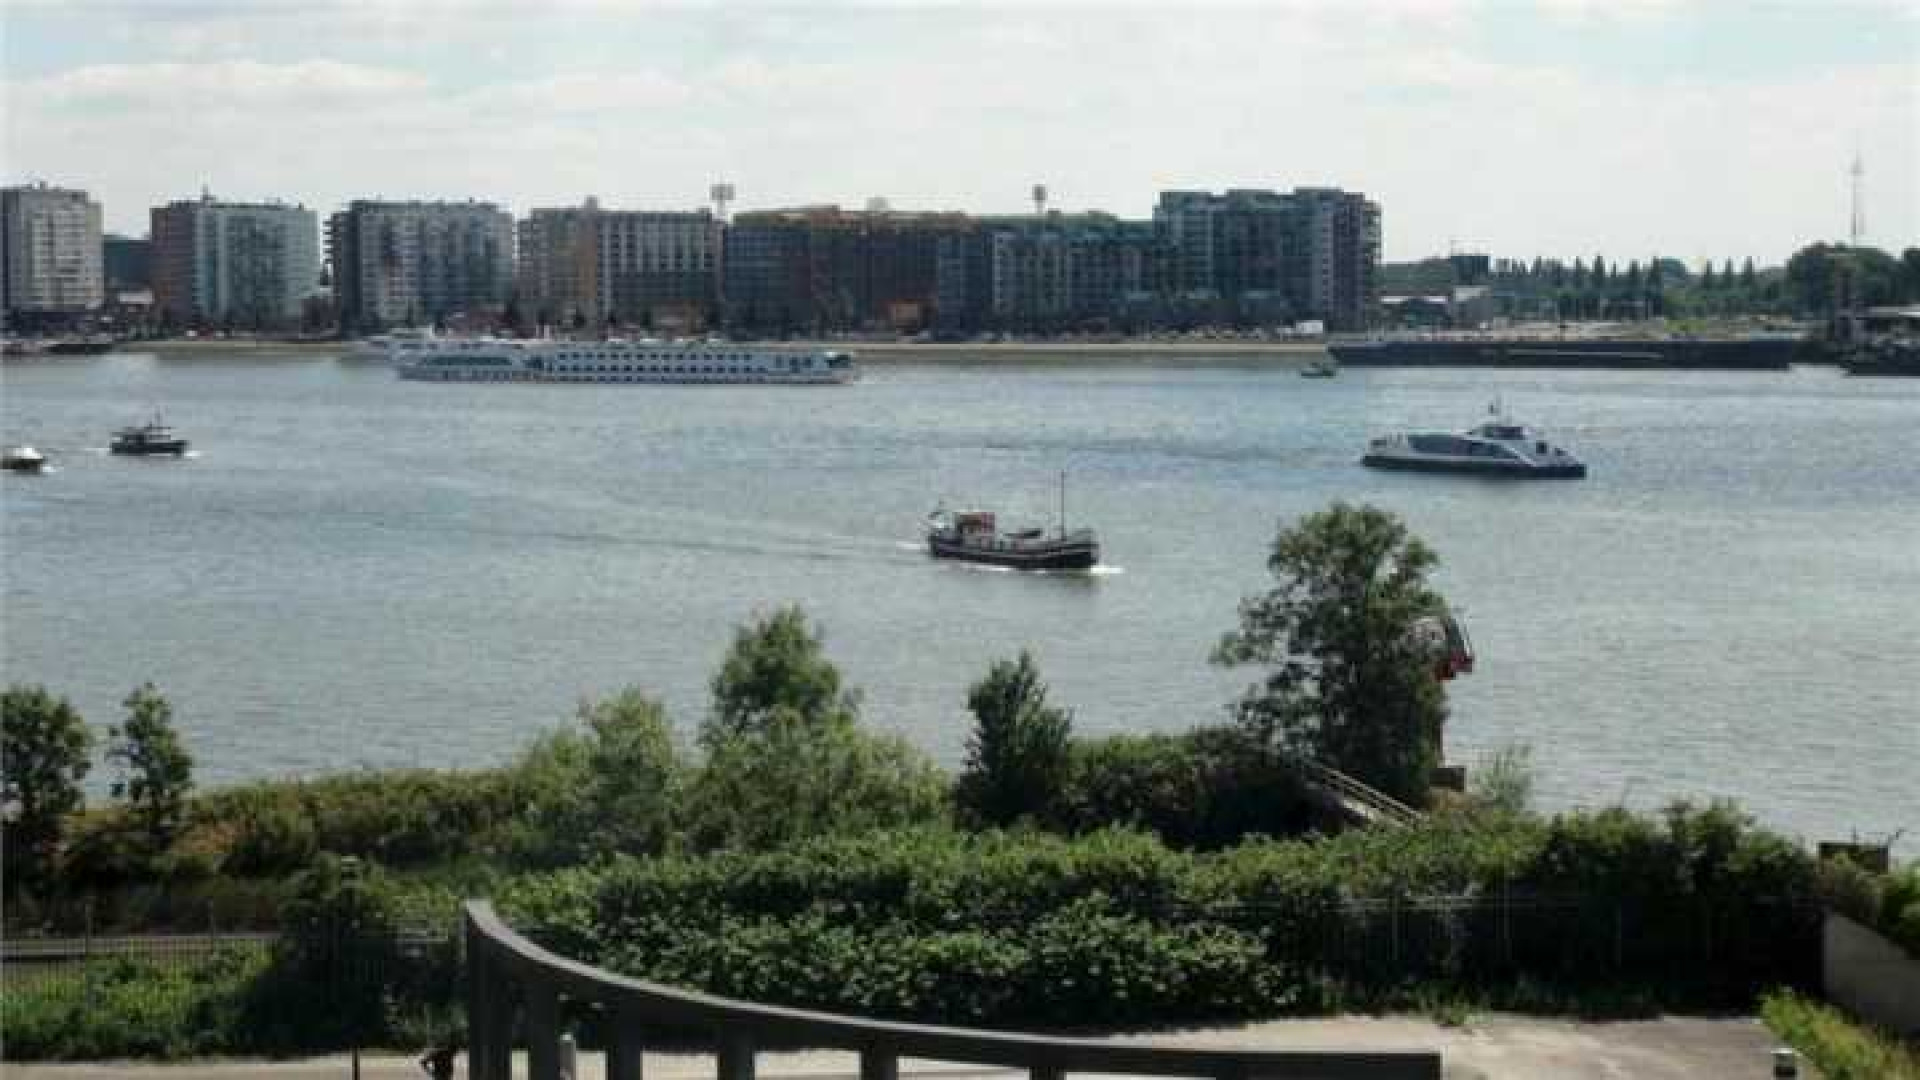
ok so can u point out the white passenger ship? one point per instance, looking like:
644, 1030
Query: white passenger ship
510, 360
1497, 447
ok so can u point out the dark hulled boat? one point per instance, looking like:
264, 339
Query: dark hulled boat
1884, 358
973, 536
148, 440
23, 459
1775, 352
90, 346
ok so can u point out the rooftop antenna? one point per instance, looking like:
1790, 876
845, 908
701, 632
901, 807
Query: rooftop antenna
721, 194
1857, 227
1039, 200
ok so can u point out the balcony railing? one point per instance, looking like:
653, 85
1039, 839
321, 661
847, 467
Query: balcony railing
507, 973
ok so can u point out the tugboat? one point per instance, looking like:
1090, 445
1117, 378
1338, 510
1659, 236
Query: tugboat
1498, 447
23, 459
148, 440
972, 536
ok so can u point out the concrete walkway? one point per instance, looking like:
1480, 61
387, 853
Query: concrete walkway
1493, 1047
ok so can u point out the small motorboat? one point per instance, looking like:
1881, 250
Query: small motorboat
1498, 447
973, 536
148, 440
1320, 369
23, 459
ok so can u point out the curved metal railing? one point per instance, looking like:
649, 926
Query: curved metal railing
507, 973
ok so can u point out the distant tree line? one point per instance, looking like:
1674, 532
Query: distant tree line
1817, 281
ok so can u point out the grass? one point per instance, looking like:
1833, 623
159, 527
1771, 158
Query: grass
1836, 1044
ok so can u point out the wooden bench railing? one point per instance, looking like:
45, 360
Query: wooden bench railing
506, 972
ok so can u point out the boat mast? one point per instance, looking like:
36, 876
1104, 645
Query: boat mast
1063, 503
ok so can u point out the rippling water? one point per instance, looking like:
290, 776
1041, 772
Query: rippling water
357, 570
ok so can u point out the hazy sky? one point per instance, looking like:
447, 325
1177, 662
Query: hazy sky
1720, 129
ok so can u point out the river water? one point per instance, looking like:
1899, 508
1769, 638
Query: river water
355, 571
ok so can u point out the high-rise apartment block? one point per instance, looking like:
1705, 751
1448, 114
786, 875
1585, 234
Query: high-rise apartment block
50, 254
824, 268
1313, 253
404, 263
589, 266
1049, 271
231, 265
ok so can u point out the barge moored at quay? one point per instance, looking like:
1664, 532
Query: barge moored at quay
1757, 353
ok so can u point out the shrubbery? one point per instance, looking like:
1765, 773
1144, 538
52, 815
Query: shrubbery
1836, 1045
938, 925
1208, 788
344, 974
1889, 903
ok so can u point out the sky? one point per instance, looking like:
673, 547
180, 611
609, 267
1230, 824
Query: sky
1562, 128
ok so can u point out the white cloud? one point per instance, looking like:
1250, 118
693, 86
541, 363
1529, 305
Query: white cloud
964, 108
170, 86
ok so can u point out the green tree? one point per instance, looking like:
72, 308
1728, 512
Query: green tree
634, 772
43, 746
1826, 279
1018, 756
776, 671
1346, 681
607, 787
768, 789
1910, 275
156, 772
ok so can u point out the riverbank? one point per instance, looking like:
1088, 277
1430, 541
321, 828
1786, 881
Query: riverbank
979, 353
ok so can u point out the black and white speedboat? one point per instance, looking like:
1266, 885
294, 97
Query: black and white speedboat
973, 536
1498, 447
148, 440
23, 459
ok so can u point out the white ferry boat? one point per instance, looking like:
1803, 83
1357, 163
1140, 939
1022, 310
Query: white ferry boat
394, 345
1497, 447
508, 360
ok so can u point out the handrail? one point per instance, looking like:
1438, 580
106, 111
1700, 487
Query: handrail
1388, 807
499, 960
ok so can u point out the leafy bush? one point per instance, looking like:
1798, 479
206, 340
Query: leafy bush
938, 925
44, 743
1836, 1045
792, 780
610, 787
1900, 908
1017, 756
1206, 789
123, 1008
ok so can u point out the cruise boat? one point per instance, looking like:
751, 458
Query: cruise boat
973, 536
148, 440
1498, 447
394, 345
508, 360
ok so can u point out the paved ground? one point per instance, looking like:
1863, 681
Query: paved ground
1494, 1047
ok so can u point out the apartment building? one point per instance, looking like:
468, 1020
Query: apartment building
589, 266
233, 265
406, 263
50, 254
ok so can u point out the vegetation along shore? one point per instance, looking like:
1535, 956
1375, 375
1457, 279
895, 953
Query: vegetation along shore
784, 852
